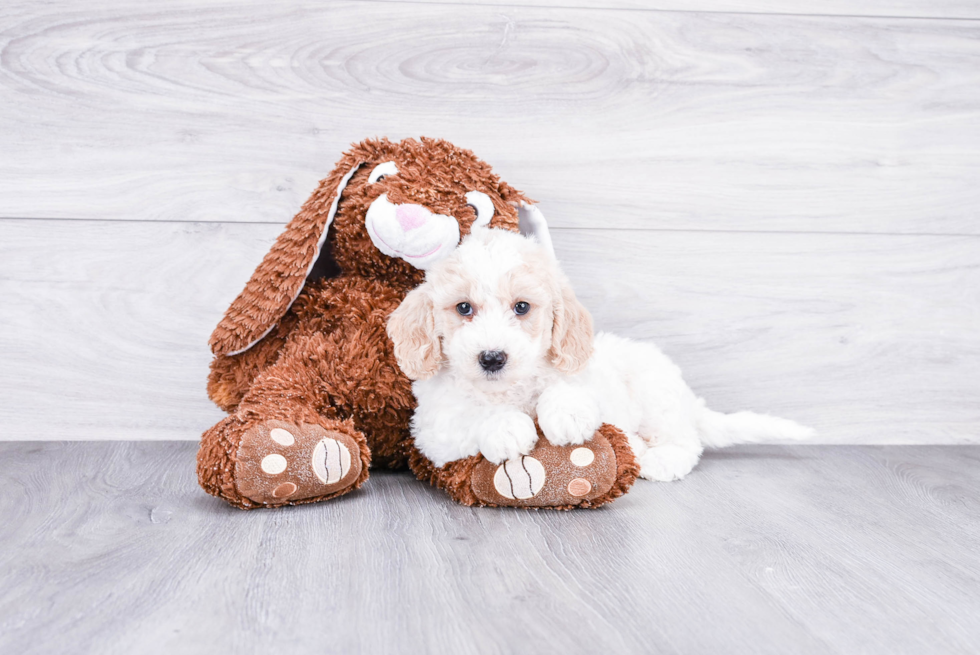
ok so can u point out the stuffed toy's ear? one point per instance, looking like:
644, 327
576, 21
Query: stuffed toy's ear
571, 332
280, 277
413, 332
534, 223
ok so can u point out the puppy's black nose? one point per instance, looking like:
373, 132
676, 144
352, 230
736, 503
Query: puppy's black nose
492, 360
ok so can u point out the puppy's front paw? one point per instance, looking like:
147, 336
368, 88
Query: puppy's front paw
567, 416
508, 435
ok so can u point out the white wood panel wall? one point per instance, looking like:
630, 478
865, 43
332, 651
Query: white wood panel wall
785, 196
900, 8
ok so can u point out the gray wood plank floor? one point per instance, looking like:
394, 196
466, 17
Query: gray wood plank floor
111, 547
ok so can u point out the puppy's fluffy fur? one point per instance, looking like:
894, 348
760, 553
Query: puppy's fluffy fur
554, 371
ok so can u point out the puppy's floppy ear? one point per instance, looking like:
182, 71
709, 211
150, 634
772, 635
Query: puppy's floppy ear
413, 331
571, 333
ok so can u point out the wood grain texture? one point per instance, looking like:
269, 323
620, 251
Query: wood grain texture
867, 335
103, 333
966, 9
677, 120
112, 548
870, 339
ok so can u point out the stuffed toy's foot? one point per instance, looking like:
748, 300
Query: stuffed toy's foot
281, 463
549, 477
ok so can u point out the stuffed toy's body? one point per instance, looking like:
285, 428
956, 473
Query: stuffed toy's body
303, 363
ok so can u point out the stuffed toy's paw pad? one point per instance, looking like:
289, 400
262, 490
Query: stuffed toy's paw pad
549, 476
280, 463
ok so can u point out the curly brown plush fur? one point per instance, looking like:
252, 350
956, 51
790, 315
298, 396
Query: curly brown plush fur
303, 363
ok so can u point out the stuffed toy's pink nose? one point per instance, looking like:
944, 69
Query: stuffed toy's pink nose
411, 216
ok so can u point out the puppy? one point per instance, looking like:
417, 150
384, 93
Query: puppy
495, 338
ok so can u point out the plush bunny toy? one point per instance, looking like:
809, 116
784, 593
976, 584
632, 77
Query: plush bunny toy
303, 363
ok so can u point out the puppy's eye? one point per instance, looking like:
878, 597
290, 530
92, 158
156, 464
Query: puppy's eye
464, 309
522, 308
482, 205
381, 171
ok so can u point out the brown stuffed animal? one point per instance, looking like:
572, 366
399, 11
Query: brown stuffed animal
305, 367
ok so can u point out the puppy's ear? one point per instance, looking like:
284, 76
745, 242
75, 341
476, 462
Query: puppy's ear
412, 329
571, 333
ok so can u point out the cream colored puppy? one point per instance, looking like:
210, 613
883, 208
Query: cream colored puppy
495, 338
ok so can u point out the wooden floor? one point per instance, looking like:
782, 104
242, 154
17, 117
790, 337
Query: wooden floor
112, 548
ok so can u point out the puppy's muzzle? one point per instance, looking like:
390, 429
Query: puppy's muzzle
492, 361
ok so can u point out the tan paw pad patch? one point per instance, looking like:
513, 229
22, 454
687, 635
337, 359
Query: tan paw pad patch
282, 437
582, 457
331, 460
285, 490
579, 487
520, 478
274, 464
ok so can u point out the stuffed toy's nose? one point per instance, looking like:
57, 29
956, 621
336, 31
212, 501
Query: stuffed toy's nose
411, 216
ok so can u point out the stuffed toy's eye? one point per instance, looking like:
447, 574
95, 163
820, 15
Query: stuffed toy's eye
464, 309
382, 171
522, 308
483, 206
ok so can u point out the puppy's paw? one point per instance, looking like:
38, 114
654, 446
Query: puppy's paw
567, 415
507, 436
668, 462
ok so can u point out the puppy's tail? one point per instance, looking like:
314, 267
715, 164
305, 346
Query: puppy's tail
718, 430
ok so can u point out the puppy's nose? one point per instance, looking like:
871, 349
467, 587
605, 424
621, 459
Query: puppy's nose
492, 360
411, 216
